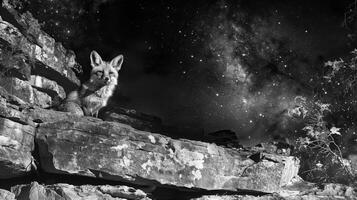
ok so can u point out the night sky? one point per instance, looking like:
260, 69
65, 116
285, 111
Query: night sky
212, 64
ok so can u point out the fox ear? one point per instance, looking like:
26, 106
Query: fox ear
117, 62
95, 59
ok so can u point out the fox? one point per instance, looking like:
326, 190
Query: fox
94, 93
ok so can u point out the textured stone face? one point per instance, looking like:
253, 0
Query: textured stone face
118, 152
45, 62
24, 90
16, 144
6, 195
51, 87
33, 66
14, 64
35, 191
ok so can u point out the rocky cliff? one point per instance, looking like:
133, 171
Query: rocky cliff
47, 154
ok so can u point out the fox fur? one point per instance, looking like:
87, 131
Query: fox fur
95, 93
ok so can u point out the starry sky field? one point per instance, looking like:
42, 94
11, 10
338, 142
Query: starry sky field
215, 64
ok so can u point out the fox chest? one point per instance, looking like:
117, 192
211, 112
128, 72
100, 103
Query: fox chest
94, 101
97, 99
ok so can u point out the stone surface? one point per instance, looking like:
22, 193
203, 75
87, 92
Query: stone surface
45, 62
50, 87
6, 195
16, 144
31, 29
35, 191
14, 64
116, 151
331, 189
14, 108
23, 90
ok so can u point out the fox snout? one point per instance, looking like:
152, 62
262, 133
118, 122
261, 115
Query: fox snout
106, 80
101, 79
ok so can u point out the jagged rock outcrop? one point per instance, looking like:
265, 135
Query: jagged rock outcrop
35, 191
6, 195
50, 56
108, 150
16, 137
16, 143
34, 67
45, 62
117, 151
25, 91
50, 87
14, 64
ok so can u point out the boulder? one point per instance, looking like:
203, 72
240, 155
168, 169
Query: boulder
48, 86
35, 191
115, 151
6, 195
24, 90
14, 64
31, 29
14, 108
16, 144
45, 62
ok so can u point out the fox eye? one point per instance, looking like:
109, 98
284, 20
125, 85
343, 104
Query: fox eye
111, 72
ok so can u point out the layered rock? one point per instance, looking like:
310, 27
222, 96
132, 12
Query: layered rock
108, 150
14, 64
44, 62
25, 91
33, 66
35, 191
6, 195
50, 87
38, 46
16, 144
16, 138
116, 151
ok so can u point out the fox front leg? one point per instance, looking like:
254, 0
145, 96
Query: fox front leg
93, 111
96, 110
86, 111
